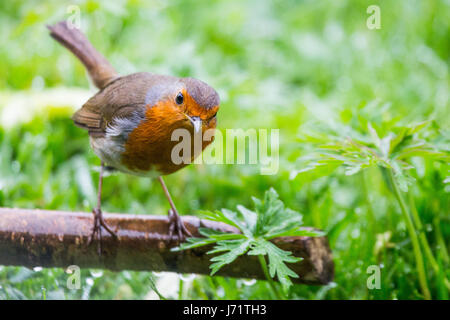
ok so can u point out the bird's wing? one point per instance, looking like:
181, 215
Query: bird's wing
124, 98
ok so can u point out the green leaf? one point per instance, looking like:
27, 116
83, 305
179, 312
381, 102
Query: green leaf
273, 217
345, 147
297, 232
221, 216
398, 139
269, 219
416, 127
193, 243
250, 218
374, 135
277, 261
351, 170
401, 176
219, 235
233, 249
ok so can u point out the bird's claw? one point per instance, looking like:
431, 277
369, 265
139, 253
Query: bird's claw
176, 226
99, 222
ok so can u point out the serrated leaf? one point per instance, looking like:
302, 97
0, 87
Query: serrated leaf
257, 203
219, 235
235, 248
400, 175
416, 127
385, 146
397, 140
352, 170
226, 216
250, 218
268, 220
421, 151
374, 135
297, 232
193, 243
277, 261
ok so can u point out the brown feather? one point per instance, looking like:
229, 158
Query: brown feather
98, 67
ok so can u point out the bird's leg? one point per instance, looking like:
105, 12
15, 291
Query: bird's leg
99, 222
175, 223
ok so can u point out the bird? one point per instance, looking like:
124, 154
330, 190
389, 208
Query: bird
130, 121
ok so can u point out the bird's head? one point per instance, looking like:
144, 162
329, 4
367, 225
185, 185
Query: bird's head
185, 102
198, 102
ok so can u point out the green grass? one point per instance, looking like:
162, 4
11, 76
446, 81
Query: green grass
292, 65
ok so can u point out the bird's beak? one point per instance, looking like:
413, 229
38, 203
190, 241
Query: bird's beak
196, 122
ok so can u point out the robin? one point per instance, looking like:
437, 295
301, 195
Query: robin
131, 119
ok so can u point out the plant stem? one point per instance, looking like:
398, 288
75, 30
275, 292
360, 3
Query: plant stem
180, 290
370, 212
440, 240
413, 236
443, 250
423, 239
422, 236
275, 291
312, 207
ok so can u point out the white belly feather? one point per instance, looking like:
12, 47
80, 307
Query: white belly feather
111, 147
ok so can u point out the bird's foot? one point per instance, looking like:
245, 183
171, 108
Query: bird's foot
176, 226
99, 222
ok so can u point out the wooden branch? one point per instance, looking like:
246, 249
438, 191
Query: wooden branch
58, 239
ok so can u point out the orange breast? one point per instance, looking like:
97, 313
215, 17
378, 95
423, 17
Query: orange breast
149, 146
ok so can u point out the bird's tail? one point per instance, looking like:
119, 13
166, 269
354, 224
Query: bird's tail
98, 67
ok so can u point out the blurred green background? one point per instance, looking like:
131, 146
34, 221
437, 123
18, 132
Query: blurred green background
276, 64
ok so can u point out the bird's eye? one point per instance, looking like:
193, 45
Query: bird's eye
180, 98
